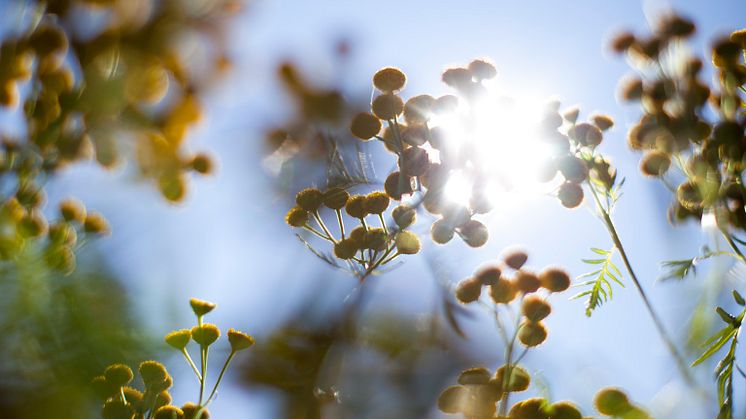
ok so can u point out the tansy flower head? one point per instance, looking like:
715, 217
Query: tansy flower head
554, 279
201, 163
168, 412
441, 231
191, 410
404, 216
407, 243
518, 380
152, 372
376, 202
95, 223
503, 291
482, 70
178, 339
201, 307
532, 333
570, 194
418, 108
72, 210
535, 308
612, 401
387, 106
365, 126
468, 290
474, 376
239, 340
474, 233
347, 248
309, 199
526, 281
336, 198
118, 374
296, 217
389, 79
206, 334
355, 206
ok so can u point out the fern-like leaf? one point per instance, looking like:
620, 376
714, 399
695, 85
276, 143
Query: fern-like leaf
600, 286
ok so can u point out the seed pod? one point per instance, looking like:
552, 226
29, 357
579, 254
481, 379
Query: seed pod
152, 372
488, 275
527, 282
612, 401
395, 186
418, 108
519, 379
239, 340
309, 199
414, 161
355, 206
441, 231
468, 290
375, 239
570, 195
118, 375
655, 163
168, 412
178, 339
389, 79
336, 198
474, 233
365, 126
376, 203
404, 216
201, 307
554, 279
586, 134
515, 258
535, 308
206, 334
296, 217
482, 70
532, 333
532, 408
407, 243
565, 410
387, 106
453, 399
346, 248
503, 291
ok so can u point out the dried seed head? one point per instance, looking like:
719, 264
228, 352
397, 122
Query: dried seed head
365, 126
389, 80
503, 291
468, 290
603, 122
482, 70
554, 279
168, 412
178, 339
488, 275
565, 410
95, 223
118, 375
239, 340
535, 308
655, 163
518, 380
201, 307
612, 401
296, 217
414, 161
586, 134
474, 233
191, 411
376, 202
515, 258
407, 243
72, 210
453, 399
396, 186
206, 334
355, 206
417, 110
474, 376
570, 195
309, 199
346, 248
336, 198
152, 372
404, 216
532, 333
387, 106
527, 282
441, 231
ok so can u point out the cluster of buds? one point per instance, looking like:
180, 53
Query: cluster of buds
677, 131
364, 246
124, 402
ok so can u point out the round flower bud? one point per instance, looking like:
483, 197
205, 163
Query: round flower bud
519, 379
191, 411
116, 409
365, 126
474, 376
414, 161
355, 206
655, 163
103, 388
239, 340
309, 199
503, 291
376, 203
532, 408
418, 108
404, 216
95, 223
441, 231
201, 307
586, 134
527, 282
389, 79
573, 169
535, 308
152, 372
296, 217
336, 198
72, 210
482, 70
168, 412
554, 279
488, 275
603, 122
357, 236
375, 239
206, 334
178, 339
474, 233
118, 375
468, 290
346, 248
452, 399
396, 186
565, 410
612, 401
387, 106
407, 243
532, 333
515, 258
570, 195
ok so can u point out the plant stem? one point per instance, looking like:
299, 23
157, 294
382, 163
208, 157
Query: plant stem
341, 223
509, 367
733, 245
191, 363
203, 357
220, 377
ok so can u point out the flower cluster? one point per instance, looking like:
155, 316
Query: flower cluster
690, 133
365, 247
124, 402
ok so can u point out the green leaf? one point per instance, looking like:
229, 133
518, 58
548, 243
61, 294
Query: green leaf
601, 289
678, 269
739, 299
715, 347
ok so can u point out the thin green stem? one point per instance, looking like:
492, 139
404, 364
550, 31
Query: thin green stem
509, 367
341, 223
316, 232
383, 223
191, 363
203, 357
220, 377
323, 226
733, 245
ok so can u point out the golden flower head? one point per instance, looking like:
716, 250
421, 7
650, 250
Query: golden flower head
554, 279
397, 185
414, 134
532, 333
365, 126
201, 307
602, 122
310, 199
162, 399
375, 239
133, 396
407, 243
631, 89
458, 77
206, 334
612, 401
72, 210
445, 104
564, 410
336, 198
116, 409
468, 290
532, 408
417, 110
239, 340
346, 248
574, 169
453, 399
152, 372
404, 216
474, 376
414, 161
389, 80
387, 106
118, 375
474, 233
570, 194
102, 387
488, 275
535, 308
586, 134
622, 41
527, 282
168, 412
296, 217
32, 224
357, 236
178, 339
95, 223
191, 410
739, 37
518, 380
355, 206
503, 291
376, 202
655, 163
515, 258
441, 231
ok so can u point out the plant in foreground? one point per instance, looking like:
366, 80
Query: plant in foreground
124, 402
